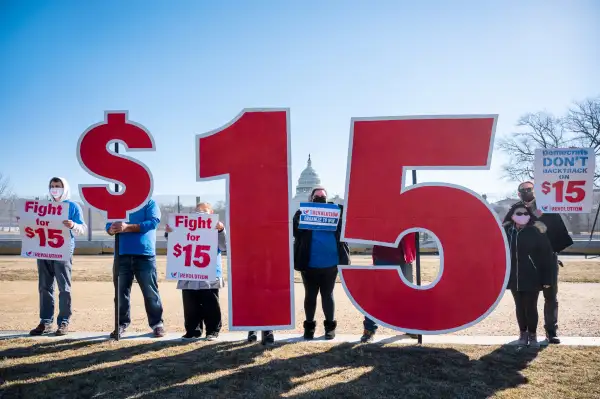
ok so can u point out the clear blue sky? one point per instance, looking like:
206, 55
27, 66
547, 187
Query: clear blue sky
185, 67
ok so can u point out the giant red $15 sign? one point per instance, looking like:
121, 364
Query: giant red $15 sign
252, 153
94, 156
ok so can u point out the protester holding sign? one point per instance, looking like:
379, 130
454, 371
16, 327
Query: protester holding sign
137, 257
317, 253
50, 271
402, 256
559, 240
201, 298
533, 266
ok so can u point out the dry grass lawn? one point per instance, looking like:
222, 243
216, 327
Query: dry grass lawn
79, 369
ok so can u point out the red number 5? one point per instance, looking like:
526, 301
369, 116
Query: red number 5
474, 257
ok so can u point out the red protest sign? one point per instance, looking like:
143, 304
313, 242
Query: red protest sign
475, 263
252, 154
94, 156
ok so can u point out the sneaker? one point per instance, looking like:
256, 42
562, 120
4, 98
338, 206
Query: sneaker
413, 336
63, 329
523, 339
533, 342
113, 335
41, 329
159, 332
192, 336
368, 336
252, 336
552, 338
267, 337
212, 336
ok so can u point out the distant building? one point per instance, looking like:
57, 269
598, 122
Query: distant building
308, 180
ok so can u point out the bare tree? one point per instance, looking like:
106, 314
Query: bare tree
5, 191
580, 127
583, 121
538, 130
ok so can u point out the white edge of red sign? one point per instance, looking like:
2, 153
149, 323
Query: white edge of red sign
404, 189
229, 248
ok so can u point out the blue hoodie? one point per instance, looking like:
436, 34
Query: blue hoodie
75, 212
144, 242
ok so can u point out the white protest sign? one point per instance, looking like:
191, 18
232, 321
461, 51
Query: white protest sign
43, 235
192, 247
564, 180
316, 216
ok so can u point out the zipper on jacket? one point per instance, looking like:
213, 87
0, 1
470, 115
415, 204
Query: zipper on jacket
532, 262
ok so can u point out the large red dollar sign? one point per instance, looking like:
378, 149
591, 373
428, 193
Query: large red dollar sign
95, 158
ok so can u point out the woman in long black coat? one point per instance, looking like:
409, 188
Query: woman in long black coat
532, 266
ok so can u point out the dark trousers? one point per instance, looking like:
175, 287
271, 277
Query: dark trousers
201, 307
50, 271
143, 268
526, 309
551, 308
319, 280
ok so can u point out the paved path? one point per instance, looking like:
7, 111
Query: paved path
340, 338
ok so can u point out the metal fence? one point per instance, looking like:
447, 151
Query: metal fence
579, 225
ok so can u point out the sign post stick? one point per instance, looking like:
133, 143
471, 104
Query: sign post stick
116, 270
417, 255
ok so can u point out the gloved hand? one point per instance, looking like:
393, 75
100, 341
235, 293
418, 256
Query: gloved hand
560, 264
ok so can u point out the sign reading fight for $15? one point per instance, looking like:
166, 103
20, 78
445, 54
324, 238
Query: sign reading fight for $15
43, 235
564, 180
192, 247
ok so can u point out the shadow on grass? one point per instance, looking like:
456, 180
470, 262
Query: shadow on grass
234, 370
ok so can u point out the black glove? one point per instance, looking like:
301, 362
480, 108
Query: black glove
560, 264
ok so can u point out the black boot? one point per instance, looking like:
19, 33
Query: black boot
267, 337
252, 336
330, 327
309, 329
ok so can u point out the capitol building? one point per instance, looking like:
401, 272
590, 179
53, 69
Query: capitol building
309, 179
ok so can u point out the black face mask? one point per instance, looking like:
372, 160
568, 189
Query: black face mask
527, 197
320, 200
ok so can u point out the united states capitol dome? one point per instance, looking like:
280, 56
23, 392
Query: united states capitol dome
308, 180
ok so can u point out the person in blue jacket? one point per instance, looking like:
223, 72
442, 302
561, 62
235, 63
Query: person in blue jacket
50, 271
137, 257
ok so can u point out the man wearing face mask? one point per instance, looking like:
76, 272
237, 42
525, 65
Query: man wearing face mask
50, 271
560, 239
201, 298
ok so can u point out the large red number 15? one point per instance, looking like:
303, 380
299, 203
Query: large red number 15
252, 154
475, 262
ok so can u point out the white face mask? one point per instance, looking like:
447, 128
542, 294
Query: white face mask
521, 220
56, 192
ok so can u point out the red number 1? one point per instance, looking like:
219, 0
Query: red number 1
475, 264
260, 277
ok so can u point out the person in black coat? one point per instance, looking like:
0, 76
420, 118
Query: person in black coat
317, 255
532, 266
559, 240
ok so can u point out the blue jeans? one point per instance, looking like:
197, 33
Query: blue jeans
48, 272
407, 271
144, 270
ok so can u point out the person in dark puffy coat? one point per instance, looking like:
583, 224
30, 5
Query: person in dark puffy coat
532, 267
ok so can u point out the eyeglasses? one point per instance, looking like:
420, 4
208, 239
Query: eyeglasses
521, 214
526, 190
